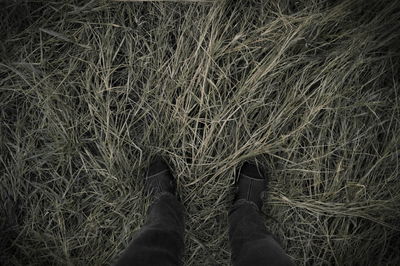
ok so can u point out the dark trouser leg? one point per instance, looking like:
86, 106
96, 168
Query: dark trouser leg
160, 240
251, 243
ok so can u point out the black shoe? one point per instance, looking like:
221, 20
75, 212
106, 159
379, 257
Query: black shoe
159, 178
252, 184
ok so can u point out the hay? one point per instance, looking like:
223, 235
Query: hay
88, 93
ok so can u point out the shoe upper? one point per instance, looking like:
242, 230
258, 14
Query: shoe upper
159, 178
252, 184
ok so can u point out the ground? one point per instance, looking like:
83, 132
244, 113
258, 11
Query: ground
89, 93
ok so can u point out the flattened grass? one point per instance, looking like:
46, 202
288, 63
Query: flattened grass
89, 93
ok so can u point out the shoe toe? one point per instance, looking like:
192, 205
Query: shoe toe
251, 170
157, 165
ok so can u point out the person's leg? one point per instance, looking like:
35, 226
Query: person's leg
251, 243
160, 240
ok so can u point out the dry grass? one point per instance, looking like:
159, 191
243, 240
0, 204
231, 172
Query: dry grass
88, 93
